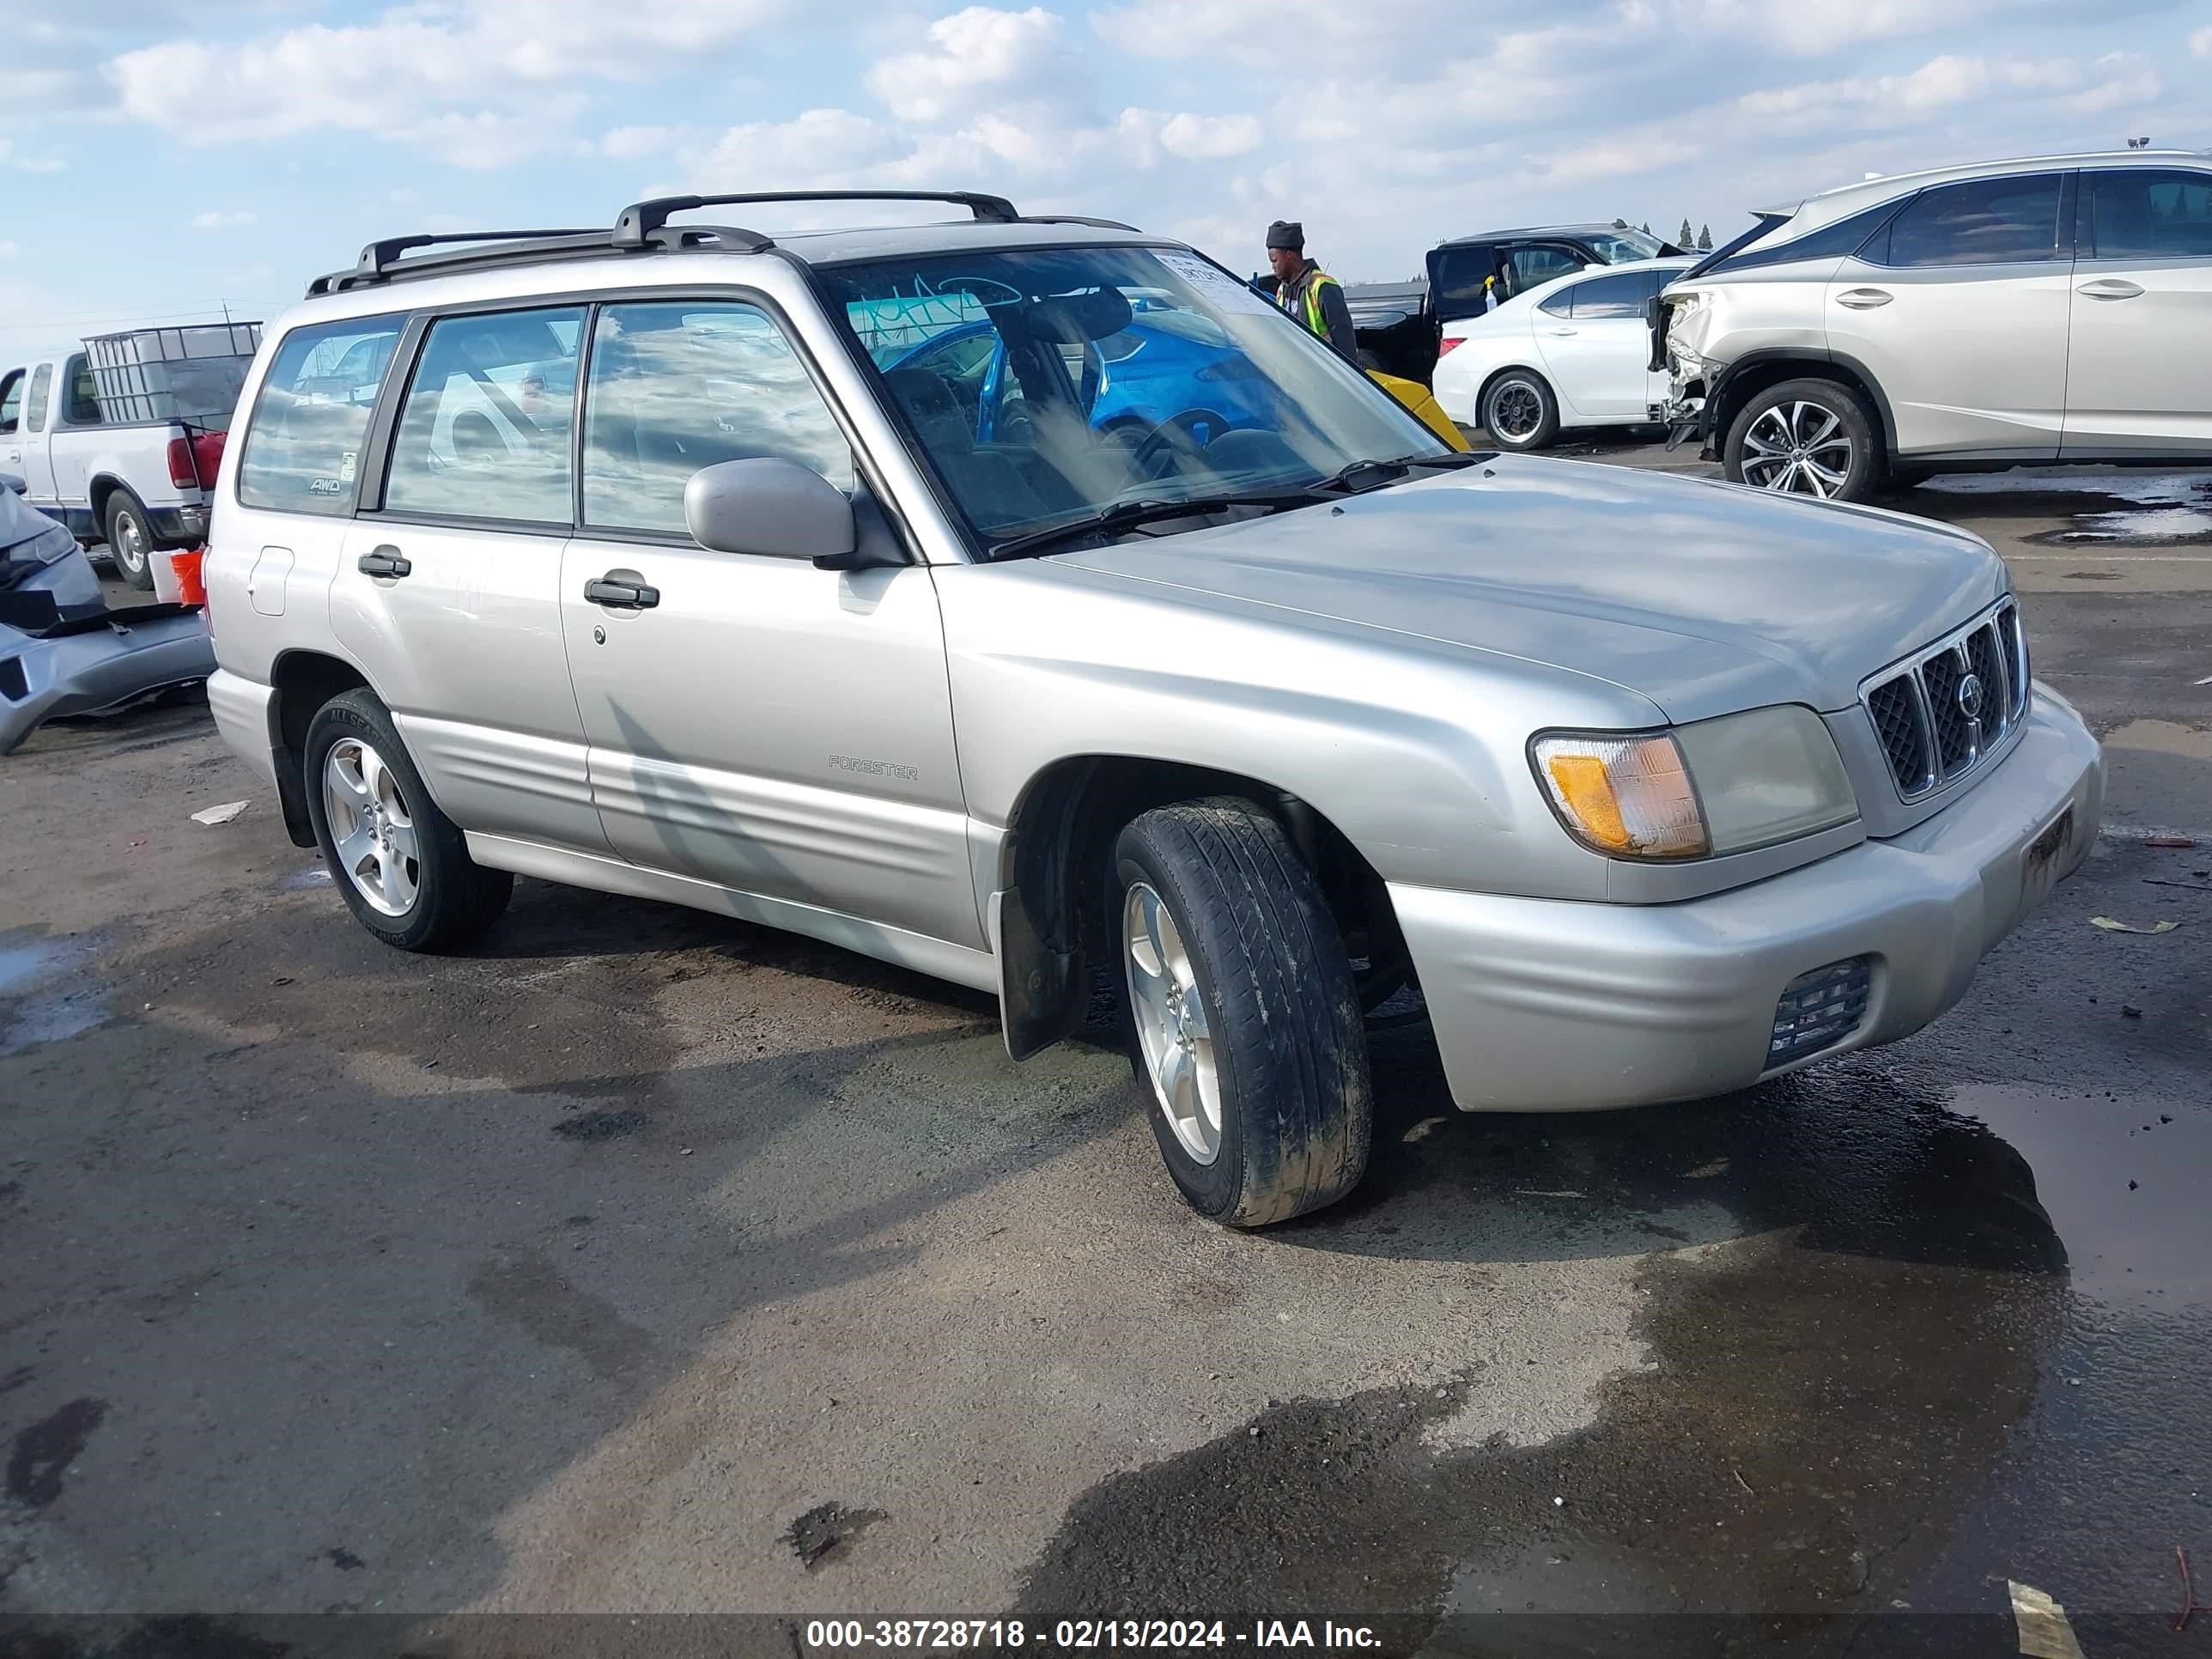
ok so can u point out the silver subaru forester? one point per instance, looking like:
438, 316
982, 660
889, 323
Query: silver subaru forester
1026, 602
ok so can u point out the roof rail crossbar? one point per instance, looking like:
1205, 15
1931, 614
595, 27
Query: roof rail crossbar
380, 261
1078, 219
641, 219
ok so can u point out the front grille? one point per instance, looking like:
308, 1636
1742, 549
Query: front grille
1949, 707
1820, 1009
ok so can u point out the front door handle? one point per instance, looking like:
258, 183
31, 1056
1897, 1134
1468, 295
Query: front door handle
2110, 287
1863, 298
622, 591
384, 561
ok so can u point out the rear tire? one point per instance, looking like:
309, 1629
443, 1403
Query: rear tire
1519, 410
130, 540
1814, 438
1245, 1027
402, 865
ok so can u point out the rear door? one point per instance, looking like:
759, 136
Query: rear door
761, 724
2139, 375
1596, 345
1957, 309
448, 591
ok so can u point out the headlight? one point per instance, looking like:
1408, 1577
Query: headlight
1720, 786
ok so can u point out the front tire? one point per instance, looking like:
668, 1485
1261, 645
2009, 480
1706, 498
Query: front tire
130, 540
1519, 410
1245, 1026
402, 865
1806, 438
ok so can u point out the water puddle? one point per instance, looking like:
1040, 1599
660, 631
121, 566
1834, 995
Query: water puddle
307, 877
34, 1011
2102, 506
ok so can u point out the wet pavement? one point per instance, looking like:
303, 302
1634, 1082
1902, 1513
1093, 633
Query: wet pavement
642, 1261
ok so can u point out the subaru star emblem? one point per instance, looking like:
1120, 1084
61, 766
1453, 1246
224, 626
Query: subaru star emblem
1970, 696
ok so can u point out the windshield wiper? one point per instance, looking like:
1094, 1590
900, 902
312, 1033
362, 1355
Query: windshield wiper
1131, 516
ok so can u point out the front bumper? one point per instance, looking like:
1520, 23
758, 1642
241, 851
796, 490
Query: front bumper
1543, 1005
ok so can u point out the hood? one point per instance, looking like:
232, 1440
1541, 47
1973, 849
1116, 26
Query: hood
1704, 597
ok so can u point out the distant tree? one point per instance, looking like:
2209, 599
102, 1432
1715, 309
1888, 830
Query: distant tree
1621, 224
1704, 239
1687, 237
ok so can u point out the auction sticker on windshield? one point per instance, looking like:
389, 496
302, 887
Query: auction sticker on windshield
1217, 285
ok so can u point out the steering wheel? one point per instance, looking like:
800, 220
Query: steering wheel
1179, 439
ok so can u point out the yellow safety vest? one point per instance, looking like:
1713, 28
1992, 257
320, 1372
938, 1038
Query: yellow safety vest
1313, 280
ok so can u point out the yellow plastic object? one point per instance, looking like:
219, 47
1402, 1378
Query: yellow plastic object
1418, 397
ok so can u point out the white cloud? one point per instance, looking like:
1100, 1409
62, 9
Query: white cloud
26, 163
1211, 137
819, 150
7, 250
972, 55
634, 144
214, 220
2201, 43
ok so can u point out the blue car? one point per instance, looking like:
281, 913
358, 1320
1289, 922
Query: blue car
1144, 375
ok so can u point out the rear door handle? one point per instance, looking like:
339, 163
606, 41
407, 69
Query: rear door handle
1863, 298
623, 593
1559, 330
384, 561
2110, 287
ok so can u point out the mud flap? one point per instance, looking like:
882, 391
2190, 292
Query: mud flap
1043, 990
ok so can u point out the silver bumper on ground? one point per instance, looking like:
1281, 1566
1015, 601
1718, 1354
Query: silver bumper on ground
1545, 1004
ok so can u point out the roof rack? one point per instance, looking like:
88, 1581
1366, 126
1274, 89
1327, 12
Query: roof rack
380, 259
642, 226
641, 219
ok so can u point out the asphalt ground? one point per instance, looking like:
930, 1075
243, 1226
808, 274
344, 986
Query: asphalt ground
644, 1262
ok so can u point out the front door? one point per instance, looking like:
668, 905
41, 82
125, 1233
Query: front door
754, 722
2140, 371
1958, 313
449, 593
1596, 344
36, 467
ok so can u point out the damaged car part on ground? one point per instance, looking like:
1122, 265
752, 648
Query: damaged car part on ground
63, 652
1260, 723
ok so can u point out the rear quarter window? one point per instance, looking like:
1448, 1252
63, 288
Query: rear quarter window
310, 422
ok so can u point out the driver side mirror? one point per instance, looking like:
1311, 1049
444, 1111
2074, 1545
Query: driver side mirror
772, 507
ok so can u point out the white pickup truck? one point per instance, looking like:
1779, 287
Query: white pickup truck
137, 484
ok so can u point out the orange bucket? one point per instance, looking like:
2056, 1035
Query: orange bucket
191, 589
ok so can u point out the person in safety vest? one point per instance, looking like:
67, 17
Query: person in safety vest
1306, 291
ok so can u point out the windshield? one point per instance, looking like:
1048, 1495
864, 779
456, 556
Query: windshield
1625, 247
1045, 388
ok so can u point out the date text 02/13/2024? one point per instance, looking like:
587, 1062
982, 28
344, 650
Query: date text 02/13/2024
1080, 1635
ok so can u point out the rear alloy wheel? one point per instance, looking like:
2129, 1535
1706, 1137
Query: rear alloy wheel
1519, 411
1805, 438
130, 541
1245, 1028
401, 864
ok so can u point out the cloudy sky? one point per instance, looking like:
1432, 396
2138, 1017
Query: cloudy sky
163, 156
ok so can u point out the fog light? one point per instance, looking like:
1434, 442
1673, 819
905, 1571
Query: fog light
1820, 1009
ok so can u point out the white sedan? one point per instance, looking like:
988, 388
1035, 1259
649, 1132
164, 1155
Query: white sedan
1574, 351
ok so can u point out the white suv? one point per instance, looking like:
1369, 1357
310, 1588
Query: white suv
2053, 309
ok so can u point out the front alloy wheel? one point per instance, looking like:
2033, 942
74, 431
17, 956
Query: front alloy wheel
1172, 1033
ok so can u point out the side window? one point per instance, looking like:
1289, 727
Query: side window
1984, 222
81, 405
1612, 296
485, 431
11, 403
1561, 304
34, 410
678, 386
1460, 272
2143, 213
1525, 267
304, 439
